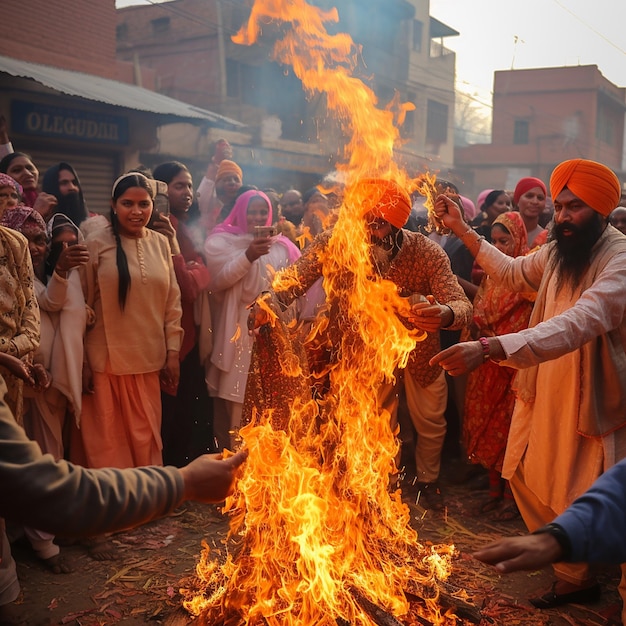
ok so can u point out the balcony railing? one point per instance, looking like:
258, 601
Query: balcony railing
437, 49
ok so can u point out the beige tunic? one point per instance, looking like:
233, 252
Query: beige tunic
560, 463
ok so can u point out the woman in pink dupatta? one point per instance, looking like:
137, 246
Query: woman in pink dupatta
241, 265
489, 399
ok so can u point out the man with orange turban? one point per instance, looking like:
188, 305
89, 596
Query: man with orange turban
570, 416
219, 186
416, 265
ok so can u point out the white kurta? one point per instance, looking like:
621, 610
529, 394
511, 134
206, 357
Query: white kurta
63, 321
235, 284
559, 463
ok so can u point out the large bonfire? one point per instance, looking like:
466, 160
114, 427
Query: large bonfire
317, 535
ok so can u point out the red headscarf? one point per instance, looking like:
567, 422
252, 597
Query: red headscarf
385, 199
595, 184
526, 184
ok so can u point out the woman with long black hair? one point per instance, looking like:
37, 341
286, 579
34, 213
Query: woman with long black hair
134, 345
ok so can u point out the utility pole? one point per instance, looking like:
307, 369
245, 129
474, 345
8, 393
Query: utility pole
221, 53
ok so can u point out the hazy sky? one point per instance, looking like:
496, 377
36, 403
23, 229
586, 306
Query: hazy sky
501, 34
519, 34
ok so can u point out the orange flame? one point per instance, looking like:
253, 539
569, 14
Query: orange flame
315, 528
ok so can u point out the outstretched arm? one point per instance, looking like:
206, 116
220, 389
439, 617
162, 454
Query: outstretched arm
66, 499
590, 530
529, 552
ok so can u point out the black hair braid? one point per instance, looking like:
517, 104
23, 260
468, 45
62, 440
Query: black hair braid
122, 264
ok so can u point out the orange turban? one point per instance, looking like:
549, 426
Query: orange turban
595, 184
228, 167
386, 199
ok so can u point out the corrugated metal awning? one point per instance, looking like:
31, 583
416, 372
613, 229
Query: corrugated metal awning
112, 92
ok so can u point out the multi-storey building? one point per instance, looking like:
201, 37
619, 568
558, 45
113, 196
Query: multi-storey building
290, 139
66, 97
542, 117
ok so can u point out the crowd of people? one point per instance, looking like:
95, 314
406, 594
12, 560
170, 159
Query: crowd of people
126, 335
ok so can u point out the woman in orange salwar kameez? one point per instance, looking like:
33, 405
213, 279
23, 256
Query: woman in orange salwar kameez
130, 283
489, 399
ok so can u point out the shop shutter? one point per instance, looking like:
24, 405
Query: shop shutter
96, 174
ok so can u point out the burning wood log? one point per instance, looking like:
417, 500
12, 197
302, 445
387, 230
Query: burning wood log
461, 608
377, 613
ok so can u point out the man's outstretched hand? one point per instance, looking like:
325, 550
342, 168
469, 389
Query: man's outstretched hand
529, 552
210, 477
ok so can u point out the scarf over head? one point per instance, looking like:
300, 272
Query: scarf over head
512, 221
385, 199
227, 167
481, 199
7, 181
595, 184
526, 184
23, 219
72, 205
61, 222
236, 223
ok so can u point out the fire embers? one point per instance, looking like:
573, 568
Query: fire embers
316, 537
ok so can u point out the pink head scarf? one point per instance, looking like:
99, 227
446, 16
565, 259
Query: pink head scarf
481, 199
237, 221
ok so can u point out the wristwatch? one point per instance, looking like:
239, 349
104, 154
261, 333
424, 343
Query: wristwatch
561, 537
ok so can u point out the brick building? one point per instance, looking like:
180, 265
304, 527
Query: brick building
290, 140
66, 97
542, 117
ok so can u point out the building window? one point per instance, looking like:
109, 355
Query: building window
121, 31
436, 122
418, 31
160, 25
520, 132
605, 128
